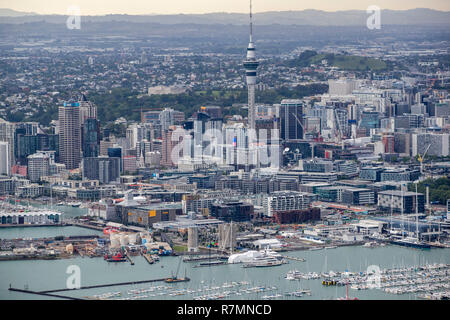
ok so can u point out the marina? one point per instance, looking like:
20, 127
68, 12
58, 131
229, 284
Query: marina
262, 275
96, 276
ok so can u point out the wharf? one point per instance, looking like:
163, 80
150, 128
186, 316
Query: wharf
127, 255
148, 258
43, 294
205, 258
294, 258
34, 225
84, 225
110, 285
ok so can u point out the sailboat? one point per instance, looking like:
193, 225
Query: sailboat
175, 278
409, 241
347, 297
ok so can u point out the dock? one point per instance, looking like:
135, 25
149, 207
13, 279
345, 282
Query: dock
148, 258
294, 258
205, 258
43, 294
106, 285
210, 264
127, 255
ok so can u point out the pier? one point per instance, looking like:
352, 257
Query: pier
148, 258
43, 294
127, 255
294, 258
107, 285
205, 258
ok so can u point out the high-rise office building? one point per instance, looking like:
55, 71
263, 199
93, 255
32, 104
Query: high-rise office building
437, 144
87, 109
7, 134
167, 147
291, 119
116, 152
5, 167
70, 135
38, 166
169, 117
103, 169
342, 86
90, 137
388, 142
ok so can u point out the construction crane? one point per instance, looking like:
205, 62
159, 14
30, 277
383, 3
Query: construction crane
304, 133
421, 158
340, 135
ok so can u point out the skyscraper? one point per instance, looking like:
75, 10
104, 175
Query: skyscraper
90, 137
291, 119
87, 109
7, 134
70, 135
167, 147
38, 166
5, 167
251, 64
103, 169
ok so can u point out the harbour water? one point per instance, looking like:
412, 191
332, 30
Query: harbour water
45, 232
38, 275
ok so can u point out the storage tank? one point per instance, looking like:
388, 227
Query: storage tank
124, 240
132, 238
115, 240
69, 249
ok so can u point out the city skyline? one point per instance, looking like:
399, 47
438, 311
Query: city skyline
188, 156
138, 7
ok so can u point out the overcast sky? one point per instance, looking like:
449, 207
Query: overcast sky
100, 7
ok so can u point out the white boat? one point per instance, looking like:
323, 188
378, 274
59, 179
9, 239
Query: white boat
294, 275
265, 261
252, 255
371, 244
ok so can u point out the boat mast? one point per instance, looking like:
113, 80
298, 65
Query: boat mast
231, 235
347, 289
392, 199
403, 221
51, 197
417, 214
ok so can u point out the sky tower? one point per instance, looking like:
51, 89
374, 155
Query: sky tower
251, 64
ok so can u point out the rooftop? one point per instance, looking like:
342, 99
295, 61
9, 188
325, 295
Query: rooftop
399, 193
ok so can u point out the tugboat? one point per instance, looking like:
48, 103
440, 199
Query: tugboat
115, 258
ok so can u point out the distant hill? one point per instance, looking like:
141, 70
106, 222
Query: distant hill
418, 16
344, 62
13, 13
